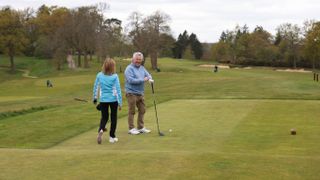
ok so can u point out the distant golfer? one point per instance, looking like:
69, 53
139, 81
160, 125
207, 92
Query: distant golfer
110, 96
135, 77
215, 68
49, 83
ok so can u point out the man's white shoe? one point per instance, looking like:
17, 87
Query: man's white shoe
133, 131
144, 130
113, 140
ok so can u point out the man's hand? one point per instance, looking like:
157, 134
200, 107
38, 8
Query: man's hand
119, 108
151, 81
94, 101
146, 79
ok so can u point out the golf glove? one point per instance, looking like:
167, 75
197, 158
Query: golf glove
95, 101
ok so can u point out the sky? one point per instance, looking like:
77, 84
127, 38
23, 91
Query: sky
205, 18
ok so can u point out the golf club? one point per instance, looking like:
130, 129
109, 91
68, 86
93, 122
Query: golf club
155, 109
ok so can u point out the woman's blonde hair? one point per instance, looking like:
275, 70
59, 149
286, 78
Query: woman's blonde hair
109, 66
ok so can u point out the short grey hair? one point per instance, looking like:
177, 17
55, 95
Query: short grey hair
137, 54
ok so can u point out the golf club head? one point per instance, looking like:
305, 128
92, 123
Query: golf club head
161, 134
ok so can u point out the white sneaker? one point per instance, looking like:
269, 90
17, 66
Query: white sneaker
113, 140
99, 138
144, 130
133, 131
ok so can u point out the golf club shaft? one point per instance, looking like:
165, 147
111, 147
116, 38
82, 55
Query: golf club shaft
155, 108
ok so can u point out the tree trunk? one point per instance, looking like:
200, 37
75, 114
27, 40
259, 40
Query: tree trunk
294, 62
58, 66
154, 60
86, 63
79, 59
12, 65
91, 56
234, 59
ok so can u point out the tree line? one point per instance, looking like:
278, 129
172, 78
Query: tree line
292, 46
56, 32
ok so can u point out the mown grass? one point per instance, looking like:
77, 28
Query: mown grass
234, 125
228, 139
178, 79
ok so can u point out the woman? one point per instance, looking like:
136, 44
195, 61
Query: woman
110, 96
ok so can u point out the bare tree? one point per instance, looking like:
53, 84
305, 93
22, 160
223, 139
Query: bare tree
156, 24
138, 33
146, 33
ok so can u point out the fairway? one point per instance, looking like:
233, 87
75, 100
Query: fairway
210, 139
234, 124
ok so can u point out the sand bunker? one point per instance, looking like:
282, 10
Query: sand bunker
211, 66
294, 70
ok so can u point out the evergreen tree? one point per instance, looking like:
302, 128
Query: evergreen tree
196, 46
181, 45
277, 38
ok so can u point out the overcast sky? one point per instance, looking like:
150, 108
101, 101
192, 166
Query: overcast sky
206, 18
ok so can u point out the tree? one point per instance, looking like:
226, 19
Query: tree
196, 46
223, 37
261, 50
242, 47
221, 52
31, 31
114, 36
88, 21
312, 42
207, 51
278, 38
138, 33
291, 34
167, 42
181, 45
147, 33
188, 54
155, 25
238, 42
48, 21
12, 35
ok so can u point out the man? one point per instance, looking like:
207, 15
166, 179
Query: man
136, 75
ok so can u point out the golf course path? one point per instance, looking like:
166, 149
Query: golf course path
25, 72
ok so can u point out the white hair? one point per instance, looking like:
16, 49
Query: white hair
137, 54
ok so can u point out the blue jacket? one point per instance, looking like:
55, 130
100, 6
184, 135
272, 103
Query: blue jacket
110, 90
135, 79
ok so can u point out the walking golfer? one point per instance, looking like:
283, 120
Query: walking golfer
110, 96
135, 77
